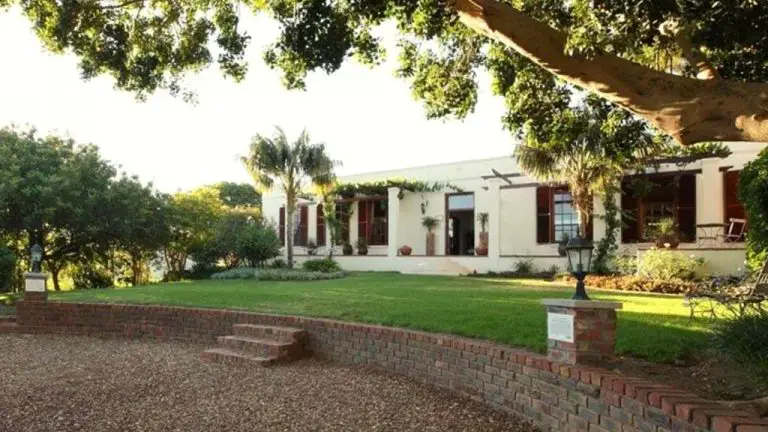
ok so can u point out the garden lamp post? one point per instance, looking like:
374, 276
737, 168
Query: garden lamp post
579, 251
36, 253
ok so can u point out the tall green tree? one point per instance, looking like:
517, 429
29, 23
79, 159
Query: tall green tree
290, 166
191, 218
53, 194
695, 69
238, 194
585, 150
137, 221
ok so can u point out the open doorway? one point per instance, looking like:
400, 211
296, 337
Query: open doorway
460, 224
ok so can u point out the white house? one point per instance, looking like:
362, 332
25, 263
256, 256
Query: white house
525, 219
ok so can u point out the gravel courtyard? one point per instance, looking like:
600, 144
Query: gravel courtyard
58, 383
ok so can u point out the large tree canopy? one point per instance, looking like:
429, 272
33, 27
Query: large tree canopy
696, 69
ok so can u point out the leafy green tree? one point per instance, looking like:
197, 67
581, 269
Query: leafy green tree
585, 150
136, 220
238, 194
191, 218
293, 166
55, 197
694, 69
753, 192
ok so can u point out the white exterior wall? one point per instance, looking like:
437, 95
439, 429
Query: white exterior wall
517, 216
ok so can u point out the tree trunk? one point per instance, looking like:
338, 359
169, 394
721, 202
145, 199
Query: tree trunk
55, 277
688, 109
290, 210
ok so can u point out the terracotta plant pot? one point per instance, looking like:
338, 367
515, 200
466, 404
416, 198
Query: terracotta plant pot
481, 251
561, 249
405, 250
667, 242
430, 244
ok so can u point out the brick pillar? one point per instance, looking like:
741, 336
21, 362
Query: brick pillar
34, 287
581, 331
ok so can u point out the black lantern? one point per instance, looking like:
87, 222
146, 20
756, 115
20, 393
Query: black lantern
36, 252
579, 251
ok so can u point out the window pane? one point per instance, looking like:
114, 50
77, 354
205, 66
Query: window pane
565, 218
458, 202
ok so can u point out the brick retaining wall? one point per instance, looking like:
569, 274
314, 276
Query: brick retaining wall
555, 396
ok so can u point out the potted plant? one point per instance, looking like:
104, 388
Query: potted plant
362, 246
665, 234
347, 249
482, 249
405, 250
311, 248
562, 244
430, 223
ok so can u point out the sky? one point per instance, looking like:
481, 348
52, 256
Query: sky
366, 117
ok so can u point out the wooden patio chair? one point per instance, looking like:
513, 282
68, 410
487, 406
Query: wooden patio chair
736, 229
729, 294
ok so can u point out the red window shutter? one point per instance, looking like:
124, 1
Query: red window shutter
733, 207
320, 235
629, 214
543, 214
304, 224
686, 208
362, 219
281, 226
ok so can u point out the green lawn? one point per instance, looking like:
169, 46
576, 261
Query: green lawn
650, 326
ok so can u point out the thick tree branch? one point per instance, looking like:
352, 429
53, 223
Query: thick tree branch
690, 110
695, 58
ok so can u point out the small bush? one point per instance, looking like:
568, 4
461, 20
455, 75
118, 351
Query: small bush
626, 264
745, 340
666, 264
635, 283
524, 266
278, 263
275, 274
325, 265
201, 271
86, 277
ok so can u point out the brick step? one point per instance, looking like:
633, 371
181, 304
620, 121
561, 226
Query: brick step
262, 347
222, 355
283, 334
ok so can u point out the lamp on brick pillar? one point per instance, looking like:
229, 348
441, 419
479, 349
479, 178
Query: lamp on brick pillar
581, 331
34, 281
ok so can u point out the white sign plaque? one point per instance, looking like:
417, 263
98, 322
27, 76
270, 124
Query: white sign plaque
560, 327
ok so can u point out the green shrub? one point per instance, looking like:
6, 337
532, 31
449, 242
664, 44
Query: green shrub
753, 192
626, 264
275, 274
88, 277
278, 263
7, 265
324, 265
258, 243
665, 264
524, 266
744, 339
201, 271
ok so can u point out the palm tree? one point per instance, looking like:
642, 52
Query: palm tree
588, 149
293, 166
